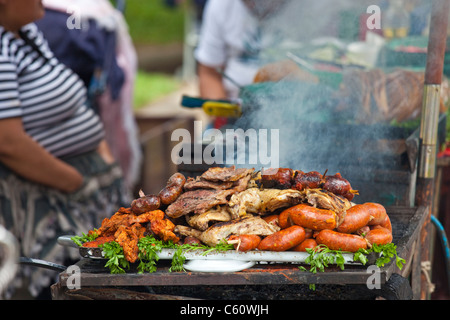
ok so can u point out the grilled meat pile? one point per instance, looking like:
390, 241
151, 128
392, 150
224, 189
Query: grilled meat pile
226, 203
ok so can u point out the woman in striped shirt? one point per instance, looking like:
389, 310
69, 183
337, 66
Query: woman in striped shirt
56, 175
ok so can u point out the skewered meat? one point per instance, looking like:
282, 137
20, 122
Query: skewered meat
280, 178
198, 201
314, 180
337, 184
203, 220
258, 201
222, 230
309, 180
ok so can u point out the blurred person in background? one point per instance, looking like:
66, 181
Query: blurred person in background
238, 36
57, 176
91, 37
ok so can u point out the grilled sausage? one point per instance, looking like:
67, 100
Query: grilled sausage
386, 223
379, 236
363, 231
145, 204
341, 241
306, 244
272, 219
173, 189
356, 217
308, 233
283, 240
312, 218
245, 242
284, 220
377, 212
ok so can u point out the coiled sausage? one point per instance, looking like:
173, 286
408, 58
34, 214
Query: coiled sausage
312, 218
284, 220
272, 219
379, 236
283, 240
377, 212
356, 217
341, 241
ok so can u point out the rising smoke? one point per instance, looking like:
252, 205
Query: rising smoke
314, 135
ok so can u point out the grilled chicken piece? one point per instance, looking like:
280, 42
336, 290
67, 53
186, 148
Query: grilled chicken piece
226, 174
221, 231
163, 229
110, 225
202, 221
128, 239
264, 201
327, 200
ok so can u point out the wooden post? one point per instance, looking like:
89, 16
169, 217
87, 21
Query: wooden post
429, 125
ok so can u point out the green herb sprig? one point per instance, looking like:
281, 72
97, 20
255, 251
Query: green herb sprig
387, 252
116, 258
321, 257
149, 247
79, 240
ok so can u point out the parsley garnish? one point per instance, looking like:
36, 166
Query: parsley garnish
320, 257
84, 238
116, 259
149, 247
387, 252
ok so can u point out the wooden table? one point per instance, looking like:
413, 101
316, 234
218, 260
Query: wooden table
262, 281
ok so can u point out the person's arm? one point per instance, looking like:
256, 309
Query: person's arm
20, 153
210, 83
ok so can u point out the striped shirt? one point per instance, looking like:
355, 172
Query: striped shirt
48, 97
